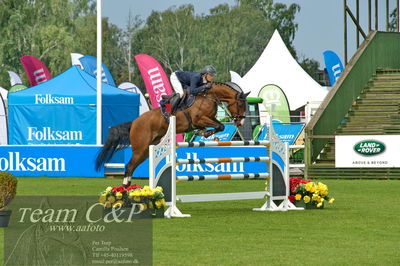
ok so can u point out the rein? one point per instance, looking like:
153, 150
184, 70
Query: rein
217, 101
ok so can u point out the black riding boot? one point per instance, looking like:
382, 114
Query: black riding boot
174, 101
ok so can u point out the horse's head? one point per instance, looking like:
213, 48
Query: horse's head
232, 94
237, 108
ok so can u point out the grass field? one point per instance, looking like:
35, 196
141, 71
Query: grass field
362, 227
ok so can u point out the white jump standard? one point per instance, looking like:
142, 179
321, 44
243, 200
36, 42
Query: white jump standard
278, 176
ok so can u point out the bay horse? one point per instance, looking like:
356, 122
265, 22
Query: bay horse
150, 127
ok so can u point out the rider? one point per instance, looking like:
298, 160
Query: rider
194, 82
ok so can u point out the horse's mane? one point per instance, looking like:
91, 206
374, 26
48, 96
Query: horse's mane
231, 85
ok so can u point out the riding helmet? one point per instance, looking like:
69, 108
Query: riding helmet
209, 70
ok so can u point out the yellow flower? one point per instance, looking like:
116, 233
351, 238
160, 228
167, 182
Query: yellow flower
319, 205
164, 203
315, 196
102, 199
131, 194
313, 188
150, 193
320, 200
142, 207
111, 199
298, 197
118, 204
136, 193
160, 189
118, 195
158, 204
146, 188
109, 189
107, 204
306, 199
136, 198
308, 186
266, 188
331, 200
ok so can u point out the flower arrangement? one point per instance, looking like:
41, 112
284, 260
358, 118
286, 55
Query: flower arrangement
144, 197
309, 192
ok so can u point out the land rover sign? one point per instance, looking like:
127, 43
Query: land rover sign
369, 151
369, 147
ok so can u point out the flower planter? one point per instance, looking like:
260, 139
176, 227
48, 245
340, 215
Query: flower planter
308, 206
125, 212
5, 218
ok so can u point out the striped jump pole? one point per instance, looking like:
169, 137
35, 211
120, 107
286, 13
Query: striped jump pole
224, 143
223, 160
222, 177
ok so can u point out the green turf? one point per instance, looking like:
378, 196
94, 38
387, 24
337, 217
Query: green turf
362, 227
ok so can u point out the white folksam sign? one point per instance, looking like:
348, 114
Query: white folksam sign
367, 151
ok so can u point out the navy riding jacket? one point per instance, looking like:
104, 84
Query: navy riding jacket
190, 81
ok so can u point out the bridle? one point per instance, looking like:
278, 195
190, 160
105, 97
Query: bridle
233, 115
217, 101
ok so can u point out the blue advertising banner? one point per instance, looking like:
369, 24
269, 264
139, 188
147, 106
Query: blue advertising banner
62, 110
56, 161
287, 133
89, 64
333, 65
226, 135
210, 168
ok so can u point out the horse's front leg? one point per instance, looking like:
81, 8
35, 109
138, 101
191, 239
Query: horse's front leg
207, 122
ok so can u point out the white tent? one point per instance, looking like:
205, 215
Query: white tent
277, 66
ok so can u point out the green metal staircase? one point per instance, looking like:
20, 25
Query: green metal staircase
375, 112
364, 101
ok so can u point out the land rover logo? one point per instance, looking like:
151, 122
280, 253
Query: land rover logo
369, 147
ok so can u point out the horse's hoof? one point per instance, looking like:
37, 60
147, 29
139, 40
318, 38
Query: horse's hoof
127, 185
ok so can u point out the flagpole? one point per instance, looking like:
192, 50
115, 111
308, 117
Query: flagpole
98, 75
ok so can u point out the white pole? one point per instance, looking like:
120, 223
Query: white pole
98, 76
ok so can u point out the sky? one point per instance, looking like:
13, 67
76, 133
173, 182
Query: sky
320, 22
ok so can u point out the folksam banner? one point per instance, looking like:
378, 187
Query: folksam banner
3, 123
209, 168
225, 135
49, 160
155, 80
89, 64
275, 102
154, 77
36, 71
14, 78
333, 65
127, 86
75, 59
287, 133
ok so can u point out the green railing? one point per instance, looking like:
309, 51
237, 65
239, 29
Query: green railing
380, 50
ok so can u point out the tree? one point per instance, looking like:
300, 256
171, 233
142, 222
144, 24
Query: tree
393, 22
50, 30
229, 38
281, 16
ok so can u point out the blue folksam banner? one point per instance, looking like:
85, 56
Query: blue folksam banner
56, 161
89, 64
333, 65
210, 168
287, 133
63, 110
226, 135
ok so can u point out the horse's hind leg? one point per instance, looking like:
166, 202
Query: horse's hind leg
139, 155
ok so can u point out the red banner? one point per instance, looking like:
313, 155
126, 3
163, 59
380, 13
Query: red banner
36, 71
154, 78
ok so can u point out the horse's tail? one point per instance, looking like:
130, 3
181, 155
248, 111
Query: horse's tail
118, 138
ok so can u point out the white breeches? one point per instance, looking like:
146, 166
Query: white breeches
176, 84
